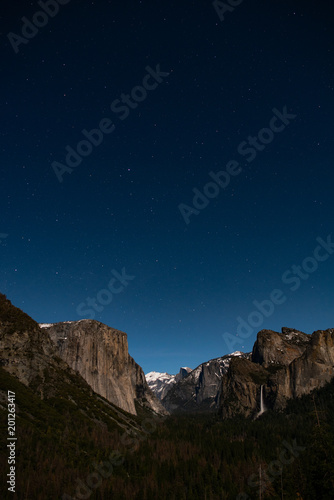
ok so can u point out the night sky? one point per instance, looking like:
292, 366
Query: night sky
187, 96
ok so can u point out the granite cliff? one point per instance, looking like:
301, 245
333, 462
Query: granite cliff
100, 355
87, 351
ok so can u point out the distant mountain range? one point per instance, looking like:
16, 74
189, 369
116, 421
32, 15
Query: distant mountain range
192, 390
281, 366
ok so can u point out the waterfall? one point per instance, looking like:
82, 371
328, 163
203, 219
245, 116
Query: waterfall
261, 399
262, 407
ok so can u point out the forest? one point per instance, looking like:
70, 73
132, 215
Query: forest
63, 454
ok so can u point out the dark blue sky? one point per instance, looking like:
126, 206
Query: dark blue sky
61, 243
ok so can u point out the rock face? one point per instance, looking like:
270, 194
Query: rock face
200, 390
43, 358
100, 355
279, 348
313, 369
286, 365
240, 389
161, 383
184, 372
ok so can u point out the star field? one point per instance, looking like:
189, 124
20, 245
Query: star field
61, 243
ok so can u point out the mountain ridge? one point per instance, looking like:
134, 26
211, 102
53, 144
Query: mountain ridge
281, 366
199, 390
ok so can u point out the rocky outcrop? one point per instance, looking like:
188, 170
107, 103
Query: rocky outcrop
279, 348
286, 365
100, 355
200, 390
183, 373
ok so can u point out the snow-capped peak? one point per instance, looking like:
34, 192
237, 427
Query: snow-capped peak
161, 383
153, 376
